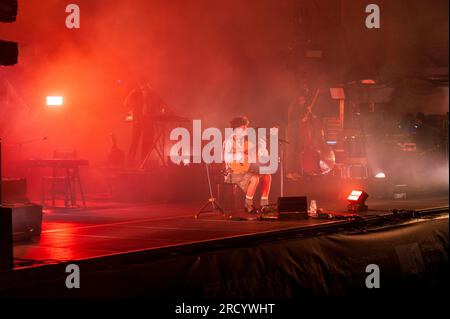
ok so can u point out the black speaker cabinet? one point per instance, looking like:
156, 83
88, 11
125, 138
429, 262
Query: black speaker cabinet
26, 221
293, 207
230, 197
6, 238
17, 222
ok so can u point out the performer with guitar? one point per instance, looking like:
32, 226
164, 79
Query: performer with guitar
240, 171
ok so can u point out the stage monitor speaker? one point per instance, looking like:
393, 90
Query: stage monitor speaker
6, 239
230, 197
26, 221
17, 222
295, 207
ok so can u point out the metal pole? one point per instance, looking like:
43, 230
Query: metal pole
282, 174
209, 182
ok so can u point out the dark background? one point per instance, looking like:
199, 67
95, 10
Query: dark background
209, 60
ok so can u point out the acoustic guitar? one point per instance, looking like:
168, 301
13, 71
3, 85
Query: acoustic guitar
243, 166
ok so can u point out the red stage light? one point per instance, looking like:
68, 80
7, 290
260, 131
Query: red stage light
357, 201
368, 81
354, 196
55, 101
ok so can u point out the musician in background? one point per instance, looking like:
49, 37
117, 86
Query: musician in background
145, 104
307, 138
236, 150
298, 113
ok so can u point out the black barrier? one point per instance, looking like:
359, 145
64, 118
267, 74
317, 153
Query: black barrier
412, 258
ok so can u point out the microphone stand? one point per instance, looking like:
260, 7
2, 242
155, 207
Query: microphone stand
214, 206
281, 143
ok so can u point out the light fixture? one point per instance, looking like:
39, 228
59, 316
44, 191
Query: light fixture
55, 101
380, 175
357, 200
368, 81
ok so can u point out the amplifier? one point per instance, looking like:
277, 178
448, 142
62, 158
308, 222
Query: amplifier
295, 207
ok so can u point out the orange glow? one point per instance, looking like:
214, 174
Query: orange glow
368, 81
55, 101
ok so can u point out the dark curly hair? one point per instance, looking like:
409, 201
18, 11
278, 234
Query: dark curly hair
239, 121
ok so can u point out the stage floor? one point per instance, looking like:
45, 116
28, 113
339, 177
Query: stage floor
113, 228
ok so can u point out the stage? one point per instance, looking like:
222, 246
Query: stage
106, 228
121, 122
162, 251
